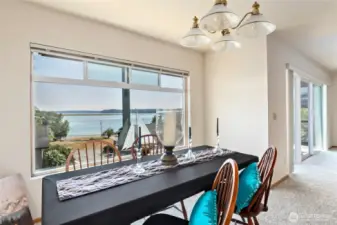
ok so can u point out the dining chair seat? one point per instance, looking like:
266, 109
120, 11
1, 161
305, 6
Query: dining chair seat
164, 219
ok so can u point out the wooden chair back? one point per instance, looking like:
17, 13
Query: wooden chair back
151, 145
92, 153
226, 183
266, 168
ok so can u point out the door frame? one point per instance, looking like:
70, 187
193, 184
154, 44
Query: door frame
293, 76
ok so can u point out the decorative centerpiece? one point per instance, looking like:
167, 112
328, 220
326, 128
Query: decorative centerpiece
169, 128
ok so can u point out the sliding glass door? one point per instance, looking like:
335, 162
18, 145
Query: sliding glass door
308, 118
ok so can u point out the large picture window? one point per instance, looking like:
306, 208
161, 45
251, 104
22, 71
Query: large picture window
78, 97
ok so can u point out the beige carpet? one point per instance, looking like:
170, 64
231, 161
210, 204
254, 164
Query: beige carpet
309, 196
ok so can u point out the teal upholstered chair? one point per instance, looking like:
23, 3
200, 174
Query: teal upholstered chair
259, 201
226, 186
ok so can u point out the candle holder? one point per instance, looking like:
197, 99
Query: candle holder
190, 154
169, 130
169, 158
217, 148
139, 167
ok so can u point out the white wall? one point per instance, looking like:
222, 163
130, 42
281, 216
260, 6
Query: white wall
236, 92
22, 23
280, 54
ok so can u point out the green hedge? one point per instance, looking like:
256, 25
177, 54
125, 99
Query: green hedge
55, 155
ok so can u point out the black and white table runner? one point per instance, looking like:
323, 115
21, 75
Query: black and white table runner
89, 183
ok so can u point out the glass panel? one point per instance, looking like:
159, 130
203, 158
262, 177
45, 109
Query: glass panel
144, 77
69, 115
305, 118
49, 66
145, 103
168, 81
318, 119
105, 72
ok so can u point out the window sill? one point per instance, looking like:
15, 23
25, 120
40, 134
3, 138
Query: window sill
45, 172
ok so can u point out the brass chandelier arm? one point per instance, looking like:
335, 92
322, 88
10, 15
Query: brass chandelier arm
243, 18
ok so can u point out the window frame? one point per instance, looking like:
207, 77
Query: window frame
86, 71
125, 84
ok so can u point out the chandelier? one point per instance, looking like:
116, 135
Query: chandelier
222, 19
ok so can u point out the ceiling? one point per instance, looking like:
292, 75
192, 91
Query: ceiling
307, 24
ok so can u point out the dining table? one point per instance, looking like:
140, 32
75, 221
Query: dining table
126, 203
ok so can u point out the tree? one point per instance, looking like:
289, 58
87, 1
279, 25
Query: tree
108, 150
41, 117
53, 158
304, 125
154, 118
55, 155
58, 126
108, 133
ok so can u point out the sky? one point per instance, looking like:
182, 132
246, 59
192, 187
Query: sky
60, 97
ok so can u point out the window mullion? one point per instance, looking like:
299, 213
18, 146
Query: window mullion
159, 78
186, 108
85, 70
111, 84
128, 75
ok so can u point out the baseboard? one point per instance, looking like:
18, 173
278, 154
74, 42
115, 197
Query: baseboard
279, 181
37, 220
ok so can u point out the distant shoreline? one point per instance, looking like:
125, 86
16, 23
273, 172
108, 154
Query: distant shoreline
92, 124
96, 114
105, 111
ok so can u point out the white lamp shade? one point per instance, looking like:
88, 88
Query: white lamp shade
195, 38
255, 26
226, 43
220, 17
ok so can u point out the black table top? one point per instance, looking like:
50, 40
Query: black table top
132, 201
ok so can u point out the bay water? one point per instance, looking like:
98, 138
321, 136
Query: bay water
96, 124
